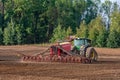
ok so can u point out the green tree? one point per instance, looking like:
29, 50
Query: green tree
114, 36
108, 7
115, 21
39, 18
2, 11
96, 29
69, 32
58, 34
91, 10
1, 36
113, 39
82, 31
9, 34
19, 34
70, 12
93, 33
102, 38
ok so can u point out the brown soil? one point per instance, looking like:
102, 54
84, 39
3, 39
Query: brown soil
107, 67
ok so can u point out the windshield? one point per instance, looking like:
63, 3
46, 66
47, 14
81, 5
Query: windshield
78, 42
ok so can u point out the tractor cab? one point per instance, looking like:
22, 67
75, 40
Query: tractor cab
78, 42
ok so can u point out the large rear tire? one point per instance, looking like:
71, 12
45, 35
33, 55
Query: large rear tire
91, 54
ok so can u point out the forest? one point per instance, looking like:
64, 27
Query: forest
46, 21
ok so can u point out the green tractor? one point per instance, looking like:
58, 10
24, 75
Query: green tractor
82, 47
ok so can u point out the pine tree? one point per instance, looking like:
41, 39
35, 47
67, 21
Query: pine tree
113, 39
93, 33
58, 34
69, 32
97, 31
82, 31
114, 36
1, 36
102, 38
9, 34
19, 34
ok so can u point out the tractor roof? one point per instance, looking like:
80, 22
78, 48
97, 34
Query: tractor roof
82, 39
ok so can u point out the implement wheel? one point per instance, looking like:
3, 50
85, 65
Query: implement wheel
91, 54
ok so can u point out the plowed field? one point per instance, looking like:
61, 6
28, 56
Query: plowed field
11, 68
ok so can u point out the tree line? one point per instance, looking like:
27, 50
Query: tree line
41, 21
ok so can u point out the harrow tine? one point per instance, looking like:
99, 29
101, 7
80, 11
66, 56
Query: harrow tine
65, 59
38, 59
27, 58
73, 59
78, 60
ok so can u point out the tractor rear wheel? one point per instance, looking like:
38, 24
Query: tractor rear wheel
91, 54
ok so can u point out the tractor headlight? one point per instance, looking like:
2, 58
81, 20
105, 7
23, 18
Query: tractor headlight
81, 47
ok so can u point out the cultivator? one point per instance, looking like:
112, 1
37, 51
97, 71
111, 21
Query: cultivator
61, 56
62, 52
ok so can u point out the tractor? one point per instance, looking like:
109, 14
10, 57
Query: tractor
80, 52
82, 47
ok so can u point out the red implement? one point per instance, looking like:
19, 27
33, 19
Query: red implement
58, 53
